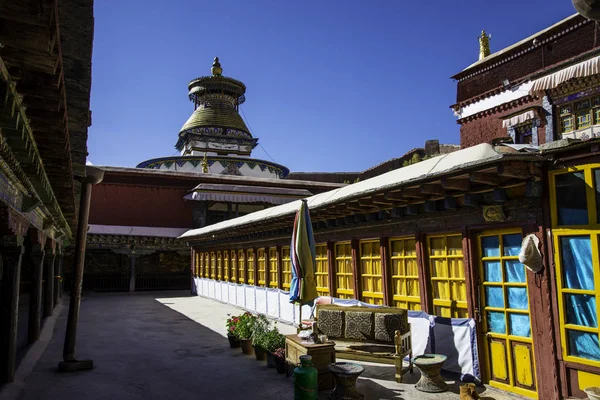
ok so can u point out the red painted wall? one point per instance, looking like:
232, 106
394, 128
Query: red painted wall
487, 127
134, 205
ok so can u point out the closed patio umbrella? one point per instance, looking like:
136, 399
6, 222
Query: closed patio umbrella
303, 288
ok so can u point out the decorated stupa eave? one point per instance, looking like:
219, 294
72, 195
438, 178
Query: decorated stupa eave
185, 136
216, 80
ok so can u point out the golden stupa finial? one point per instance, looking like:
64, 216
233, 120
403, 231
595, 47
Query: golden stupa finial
204, 164
216, 69
484, 45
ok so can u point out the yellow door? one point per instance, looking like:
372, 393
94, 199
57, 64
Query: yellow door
506, 323
321, 270
447, 275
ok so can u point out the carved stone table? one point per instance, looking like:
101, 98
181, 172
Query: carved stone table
430, 366
345, 375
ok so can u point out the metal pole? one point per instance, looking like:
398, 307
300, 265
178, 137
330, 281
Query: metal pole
69, 362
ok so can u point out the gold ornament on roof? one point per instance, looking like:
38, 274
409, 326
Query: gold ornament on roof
216, 69
204, 164
484, 45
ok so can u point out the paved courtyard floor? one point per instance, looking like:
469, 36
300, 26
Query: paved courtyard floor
168, 345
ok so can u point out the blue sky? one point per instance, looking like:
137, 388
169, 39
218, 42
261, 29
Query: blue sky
331, 85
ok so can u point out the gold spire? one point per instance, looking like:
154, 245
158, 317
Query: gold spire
484, 45
216, 69
204, 164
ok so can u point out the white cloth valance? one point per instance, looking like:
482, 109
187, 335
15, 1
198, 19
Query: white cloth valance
519, 119
580, 70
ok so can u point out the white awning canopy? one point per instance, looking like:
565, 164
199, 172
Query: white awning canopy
472, 156
529, 115
580, 70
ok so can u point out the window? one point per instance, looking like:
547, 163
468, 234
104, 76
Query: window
579, 115
286, 268
273, 267
213, 265
524, 134
447, 275
226, 266
343, 267
405, 273
250, 266
262, 267
219, 265
233, 266
370, 272
241, 266
576, 234
321, 268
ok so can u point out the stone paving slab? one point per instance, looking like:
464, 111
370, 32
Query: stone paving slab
168, 345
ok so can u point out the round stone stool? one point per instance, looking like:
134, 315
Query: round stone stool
430, 366
345, 375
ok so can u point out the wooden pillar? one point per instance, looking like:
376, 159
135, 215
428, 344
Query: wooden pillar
386, 275
331, 269
36, 255
61, 273
421, 248
69, 363
12, 254
279, 268
49, 283
132, 258
57, 277
356, 268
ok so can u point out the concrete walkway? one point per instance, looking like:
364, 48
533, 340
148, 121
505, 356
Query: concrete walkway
167, 345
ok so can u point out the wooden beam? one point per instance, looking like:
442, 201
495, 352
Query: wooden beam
461, 184
414, 193
432, 189
515, 172
380, 199
484, 178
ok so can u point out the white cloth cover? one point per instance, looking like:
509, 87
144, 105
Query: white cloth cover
250, 298
211, 289
261, 300
224, 292
286, 308
241, 296
273, 303
456, 339
579, 70
519, 119
530, 255
420, 327
232, 294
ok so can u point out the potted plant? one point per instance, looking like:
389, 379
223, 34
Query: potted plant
273, 340
243, 331
232, 323
279, 355
260, 329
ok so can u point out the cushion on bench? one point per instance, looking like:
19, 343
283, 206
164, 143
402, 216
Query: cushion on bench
331, 323
386, 324
359, 325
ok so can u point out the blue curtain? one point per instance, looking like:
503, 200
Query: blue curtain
519, 325
584, 345
578, 273
576, 256
496, 322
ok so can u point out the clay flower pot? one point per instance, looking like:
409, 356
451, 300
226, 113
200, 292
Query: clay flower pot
260, 354
280, 365
270, 360
246, 345
234, 342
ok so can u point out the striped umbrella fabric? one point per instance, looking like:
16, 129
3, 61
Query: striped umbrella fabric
303, 288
